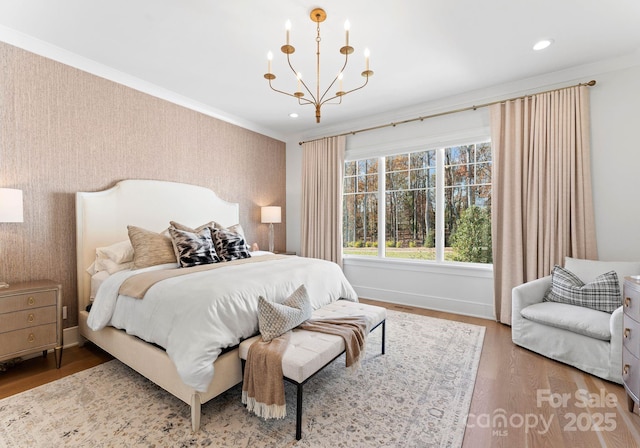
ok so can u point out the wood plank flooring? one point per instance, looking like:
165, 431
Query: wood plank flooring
517, 400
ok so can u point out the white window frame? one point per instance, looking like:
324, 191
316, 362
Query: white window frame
440, 203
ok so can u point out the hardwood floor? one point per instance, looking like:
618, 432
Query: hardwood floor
37, 371
517, 400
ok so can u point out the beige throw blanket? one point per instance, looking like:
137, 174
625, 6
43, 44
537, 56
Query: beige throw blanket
263, 388
138, 285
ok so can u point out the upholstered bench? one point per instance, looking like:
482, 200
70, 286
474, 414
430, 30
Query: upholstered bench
309, 352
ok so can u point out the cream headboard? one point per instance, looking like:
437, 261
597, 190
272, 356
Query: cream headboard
102, 217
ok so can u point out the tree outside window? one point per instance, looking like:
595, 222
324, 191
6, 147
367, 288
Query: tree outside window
410, 192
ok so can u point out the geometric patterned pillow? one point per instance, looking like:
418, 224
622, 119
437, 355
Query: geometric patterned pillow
236, 228
193, 249
275, 319
230, 245
602, 294
179, 226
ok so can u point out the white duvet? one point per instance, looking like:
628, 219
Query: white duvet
193, 317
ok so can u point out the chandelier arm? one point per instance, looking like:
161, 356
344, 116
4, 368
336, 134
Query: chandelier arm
346, 93
301, 80
322, 100
288, 94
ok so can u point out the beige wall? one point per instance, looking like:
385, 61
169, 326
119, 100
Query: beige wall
63, 130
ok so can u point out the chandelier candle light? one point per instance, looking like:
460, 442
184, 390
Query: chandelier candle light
318, 15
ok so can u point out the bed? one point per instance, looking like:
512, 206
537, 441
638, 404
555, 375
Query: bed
102, 220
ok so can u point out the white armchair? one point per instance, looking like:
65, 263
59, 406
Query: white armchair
587, 339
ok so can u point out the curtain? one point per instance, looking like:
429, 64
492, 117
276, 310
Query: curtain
322, 169
542, 207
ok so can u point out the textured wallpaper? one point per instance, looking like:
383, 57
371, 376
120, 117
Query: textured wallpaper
63, 130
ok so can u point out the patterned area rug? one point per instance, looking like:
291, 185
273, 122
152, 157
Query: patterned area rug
417, 394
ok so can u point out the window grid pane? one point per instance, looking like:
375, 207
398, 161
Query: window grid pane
410, 204
360, 207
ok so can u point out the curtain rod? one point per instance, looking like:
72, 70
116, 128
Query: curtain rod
448, 112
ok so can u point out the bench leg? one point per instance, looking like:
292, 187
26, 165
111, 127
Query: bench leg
384, 334
299, 413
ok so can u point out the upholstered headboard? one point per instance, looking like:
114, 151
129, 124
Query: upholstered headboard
102, 217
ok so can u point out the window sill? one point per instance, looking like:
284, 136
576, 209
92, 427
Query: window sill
445, 268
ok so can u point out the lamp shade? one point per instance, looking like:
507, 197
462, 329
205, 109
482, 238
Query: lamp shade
10, 205
271, 214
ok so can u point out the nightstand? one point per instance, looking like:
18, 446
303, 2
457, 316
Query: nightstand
31, 319
631, 340
285, 253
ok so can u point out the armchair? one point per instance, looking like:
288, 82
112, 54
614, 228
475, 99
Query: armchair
585, 338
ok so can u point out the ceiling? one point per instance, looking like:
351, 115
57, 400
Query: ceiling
213, 53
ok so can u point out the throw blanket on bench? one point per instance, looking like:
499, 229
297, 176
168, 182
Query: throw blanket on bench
263, 388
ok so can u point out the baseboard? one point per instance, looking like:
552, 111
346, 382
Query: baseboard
444, 304
70, 336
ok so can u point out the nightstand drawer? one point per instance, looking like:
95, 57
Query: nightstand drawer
27, 318
631, 300
28, 339
19, 302
630, 372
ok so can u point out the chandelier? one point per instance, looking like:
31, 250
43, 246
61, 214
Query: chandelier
315, 98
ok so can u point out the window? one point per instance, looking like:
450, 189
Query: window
399, 197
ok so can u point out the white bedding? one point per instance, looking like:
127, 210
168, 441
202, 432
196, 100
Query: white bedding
195, 316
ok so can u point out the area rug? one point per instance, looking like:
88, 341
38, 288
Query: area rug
416, 395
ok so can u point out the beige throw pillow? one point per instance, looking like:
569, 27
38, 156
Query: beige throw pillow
150, 248
275, 319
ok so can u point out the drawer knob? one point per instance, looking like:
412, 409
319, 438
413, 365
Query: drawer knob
31, 317
31, 300
31, 337
625, 369
627, 302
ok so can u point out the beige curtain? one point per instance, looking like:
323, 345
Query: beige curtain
542, 208
322, 167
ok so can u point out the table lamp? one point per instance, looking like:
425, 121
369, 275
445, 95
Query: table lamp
10, 210
271, 215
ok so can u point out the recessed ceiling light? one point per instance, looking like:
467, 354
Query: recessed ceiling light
542, 44
293, 115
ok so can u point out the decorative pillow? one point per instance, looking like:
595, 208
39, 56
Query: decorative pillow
150, 248
236, 228
275, 319
193, 249
587, 270
602, 294
230, 245
177, 225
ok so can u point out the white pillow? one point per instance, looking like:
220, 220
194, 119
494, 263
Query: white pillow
113, 258
121, 252
105, 264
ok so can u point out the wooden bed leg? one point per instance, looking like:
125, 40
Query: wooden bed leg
195, 412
